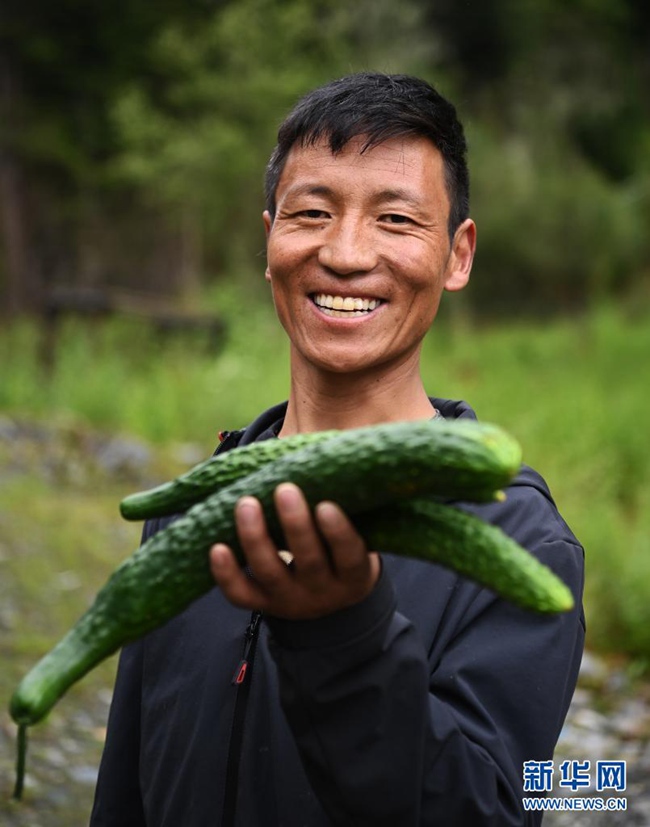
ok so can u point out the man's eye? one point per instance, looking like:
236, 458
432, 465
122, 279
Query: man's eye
312, 214
396, 218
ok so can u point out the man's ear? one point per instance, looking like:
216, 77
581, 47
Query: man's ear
461, 257
268, 222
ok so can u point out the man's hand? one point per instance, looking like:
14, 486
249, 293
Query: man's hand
323, 578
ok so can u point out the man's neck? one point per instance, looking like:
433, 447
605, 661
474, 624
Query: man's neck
319, 401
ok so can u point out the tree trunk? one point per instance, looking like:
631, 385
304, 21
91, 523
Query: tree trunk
20, 284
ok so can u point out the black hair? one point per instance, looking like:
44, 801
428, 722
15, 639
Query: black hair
379, 107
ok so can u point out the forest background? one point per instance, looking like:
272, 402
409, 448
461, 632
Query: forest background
133, 141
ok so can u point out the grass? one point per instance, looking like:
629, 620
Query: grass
58, 543
120, 377
574, 392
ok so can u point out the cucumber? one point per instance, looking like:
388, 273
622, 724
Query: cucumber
475, 549
361, 469
463, 451
210, 475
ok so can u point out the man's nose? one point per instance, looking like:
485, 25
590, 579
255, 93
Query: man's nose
348, 248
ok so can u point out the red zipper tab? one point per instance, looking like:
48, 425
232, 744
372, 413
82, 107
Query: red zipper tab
240, 673
249, 636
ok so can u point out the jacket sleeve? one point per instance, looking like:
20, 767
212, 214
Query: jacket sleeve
397, 729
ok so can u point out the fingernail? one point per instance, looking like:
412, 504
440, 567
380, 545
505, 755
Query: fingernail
218, 554
247, 510
288, 495
328, 511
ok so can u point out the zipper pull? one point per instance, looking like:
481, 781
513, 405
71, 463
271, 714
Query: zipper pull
240, 673
242, 667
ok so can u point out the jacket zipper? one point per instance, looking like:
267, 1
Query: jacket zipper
249, 636
241, 680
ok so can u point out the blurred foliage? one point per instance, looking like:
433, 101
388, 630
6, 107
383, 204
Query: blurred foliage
553, 231
133, 128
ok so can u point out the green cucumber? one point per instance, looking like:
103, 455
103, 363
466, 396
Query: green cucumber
210, 475
420, 529
381, 468
361, 469
475, 549
462, 452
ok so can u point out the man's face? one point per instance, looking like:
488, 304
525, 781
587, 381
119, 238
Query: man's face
359, 253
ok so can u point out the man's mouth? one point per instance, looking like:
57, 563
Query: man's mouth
344, 306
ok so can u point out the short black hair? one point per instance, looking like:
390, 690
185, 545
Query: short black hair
380, 107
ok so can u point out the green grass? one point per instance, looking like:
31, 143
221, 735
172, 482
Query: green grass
575, 394
121, 377
58, 544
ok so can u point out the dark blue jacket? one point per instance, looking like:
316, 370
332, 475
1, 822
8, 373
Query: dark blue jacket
417, 706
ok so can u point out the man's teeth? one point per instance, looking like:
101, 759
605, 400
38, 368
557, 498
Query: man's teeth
348, 306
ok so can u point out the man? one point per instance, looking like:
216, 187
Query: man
349, 688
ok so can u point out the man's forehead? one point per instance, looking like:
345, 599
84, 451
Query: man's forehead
360, 146
400, 156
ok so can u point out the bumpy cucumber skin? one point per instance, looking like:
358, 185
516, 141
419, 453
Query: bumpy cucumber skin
211, 475
361, 469
468, 459
477, 550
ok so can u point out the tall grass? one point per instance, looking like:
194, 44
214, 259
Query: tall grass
122, 376
575, 393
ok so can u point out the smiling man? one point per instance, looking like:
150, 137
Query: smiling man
351, 687
359, 253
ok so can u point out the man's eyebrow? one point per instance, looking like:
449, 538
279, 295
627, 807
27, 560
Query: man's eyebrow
392, 195
310, 189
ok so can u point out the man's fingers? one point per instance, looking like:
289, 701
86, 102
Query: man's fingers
350, 555
348, 547
261, 553
232, 580
310, 557
332, 567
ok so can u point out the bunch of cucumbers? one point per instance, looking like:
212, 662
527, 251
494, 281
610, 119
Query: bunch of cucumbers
396, 481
